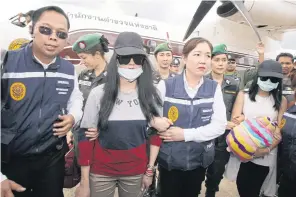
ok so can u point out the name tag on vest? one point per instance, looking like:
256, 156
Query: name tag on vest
85, 83
230, 92
207, 110
287, 92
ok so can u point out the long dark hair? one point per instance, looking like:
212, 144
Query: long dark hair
276, 93
149, 98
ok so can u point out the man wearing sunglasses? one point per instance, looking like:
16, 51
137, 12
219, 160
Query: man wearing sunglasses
42, 103
243, 76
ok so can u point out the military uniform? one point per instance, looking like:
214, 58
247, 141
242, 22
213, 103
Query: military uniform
230, 89
242, 76
161, 48
157, 76
88, 80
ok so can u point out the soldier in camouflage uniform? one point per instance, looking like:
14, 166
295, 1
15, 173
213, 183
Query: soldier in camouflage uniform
91, 48
164, 57
230, 89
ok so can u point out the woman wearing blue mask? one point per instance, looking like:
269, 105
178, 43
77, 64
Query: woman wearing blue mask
264, 98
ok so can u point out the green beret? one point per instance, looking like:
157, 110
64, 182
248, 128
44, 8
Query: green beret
162, 47
86, 42
219, 49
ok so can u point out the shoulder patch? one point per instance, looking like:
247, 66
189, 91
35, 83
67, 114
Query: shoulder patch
17, 91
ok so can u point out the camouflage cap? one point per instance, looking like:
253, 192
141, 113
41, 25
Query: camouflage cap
162, 47
86, 42
219, 49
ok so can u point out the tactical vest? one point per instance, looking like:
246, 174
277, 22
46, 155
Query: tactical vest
35, 99
187, 113
288, 156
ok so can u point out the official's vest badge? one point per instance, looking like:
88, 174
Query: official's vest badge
173, 114
17, 91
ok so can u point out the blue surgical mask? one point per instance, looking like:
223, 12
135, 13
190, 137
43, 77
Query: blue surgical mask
267, 85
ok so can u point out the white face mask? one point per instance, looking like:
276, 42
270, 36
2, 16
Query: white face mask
267, 86
130, 74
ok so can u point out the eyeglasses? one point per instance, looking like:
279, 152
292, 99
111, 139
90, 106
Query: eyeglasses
231, 62
138, 59
272, 79
48, 31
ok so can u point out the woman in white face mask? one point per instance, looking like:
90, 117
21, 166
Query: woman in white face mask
121, 109
264, 98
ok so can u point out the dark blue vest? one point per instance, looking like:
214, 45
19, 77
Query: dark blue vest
35, 99
187, 113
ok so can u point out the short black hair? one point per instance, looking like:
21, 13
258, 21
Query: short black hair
284, 55
37, 13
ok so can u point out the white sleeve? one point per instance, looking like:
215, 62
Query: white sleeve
3, 177
161, 91
217, 125
75, 103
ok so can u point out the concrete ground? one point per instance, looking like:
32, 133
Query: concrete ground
227, 189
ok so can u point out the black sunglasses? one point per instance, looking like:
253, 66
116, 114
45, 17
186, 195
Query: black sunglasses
48, 31
272, 79
138, 59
